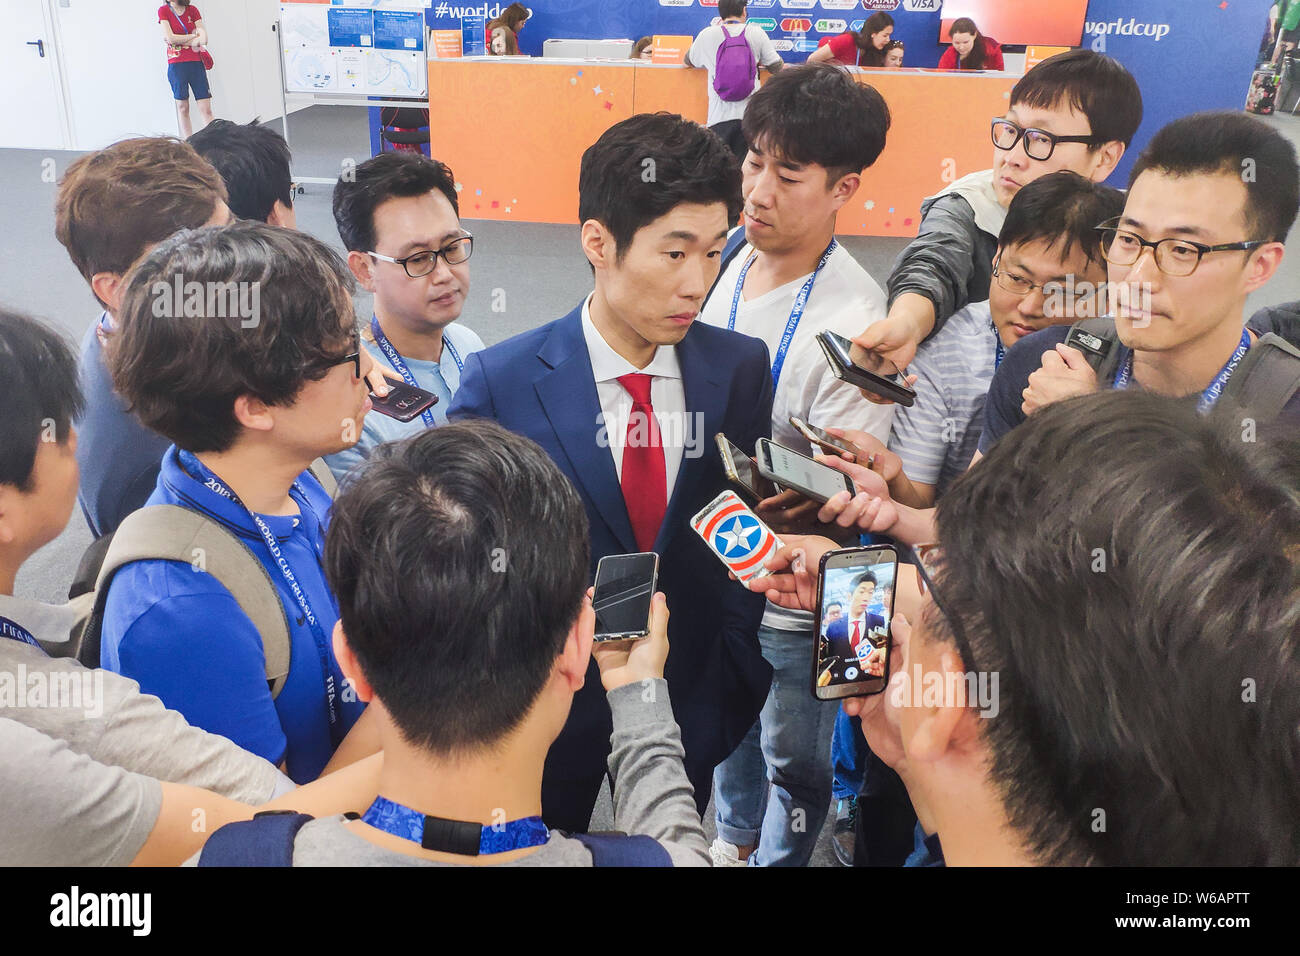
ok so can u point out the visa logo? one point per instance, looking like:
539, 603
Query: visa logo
921, 5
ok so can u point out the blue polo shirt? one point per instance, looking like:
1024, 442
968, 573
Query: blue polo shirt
184, 638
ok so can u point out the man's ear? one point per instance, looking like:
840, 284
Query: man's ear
1263, 265
349, 666
598, 244
254, 414
10, 502
107, 287
1106, 159
576, 654
282, 215
361, 266
845, 189
939, 730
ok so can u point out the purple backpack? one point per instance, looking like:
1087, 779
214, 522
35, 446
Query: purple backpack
735, 69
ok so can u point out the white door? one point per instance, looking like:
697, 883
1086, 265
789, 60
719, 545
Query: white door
29, 109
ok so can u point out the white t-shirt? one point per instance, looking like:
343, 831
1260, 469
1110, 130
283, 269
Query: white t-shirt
844, 299
704, 53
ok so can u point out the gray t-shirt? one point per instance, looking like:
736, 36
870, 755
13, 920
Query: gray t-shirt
704, 53
652, 796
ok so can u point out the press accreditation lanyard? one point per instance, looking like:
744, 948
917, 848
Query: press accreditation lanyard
1215, 389
399, 364
16, 632
215, 484
434, 833
1001, 352
796, 312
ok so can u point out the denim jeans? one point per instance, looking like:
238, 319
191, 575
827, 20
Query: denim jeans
775, 789
848, 756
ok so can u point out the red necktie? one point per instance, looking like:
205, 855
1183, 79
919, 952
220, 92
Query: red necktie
645, 482
857, 636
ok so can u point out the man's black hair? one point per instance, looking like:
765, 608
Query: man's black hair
648, 165
460, 560
864, 576
731, 8
40, 393
1234, 144
180, 361
1061, 210
817, 113
359, 192
1131, 570
253, 161
1091, 83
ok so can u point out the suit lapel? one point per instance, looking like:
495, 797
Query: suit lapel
568, 397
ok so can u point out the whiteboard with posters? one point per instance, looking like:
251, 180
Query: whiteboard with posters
364, 48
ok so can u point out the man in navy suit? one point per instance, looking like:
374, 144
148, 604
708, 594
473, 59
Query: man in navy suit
625, 393
857, 626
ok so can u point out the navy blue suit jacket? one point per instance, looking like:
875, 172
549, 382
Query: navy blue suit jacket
837, 635
540, 384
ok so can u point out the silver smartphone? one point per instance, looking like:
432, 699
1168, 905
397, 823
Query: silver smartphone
789, 469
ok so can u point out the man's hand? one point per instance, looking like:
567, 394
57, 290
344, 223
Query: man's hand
630, 662
875, 455
1064, 374
788, 513
793, 581
376, 375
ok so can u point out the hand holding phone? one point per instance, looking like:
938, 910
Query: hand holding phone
632, 662
856, 579
625, 584
736, 535
827, 442
403, 402
742, 470
810, 478
872, 372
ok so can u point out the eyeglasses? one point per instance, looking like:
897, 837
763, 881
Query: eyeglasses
1174, 257
1017, 285
1039, 143
420, 264
354, 357
928, 559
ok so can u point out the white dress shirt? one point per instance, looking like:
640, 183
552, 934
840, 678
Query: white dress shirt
667, 396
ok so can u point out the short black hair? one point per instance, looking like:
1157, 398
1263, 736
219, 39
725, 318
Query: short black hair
688, 163
400, 175
1092, 83
180, 365
253, 161
1143, 611
1233, 144
1061, 210
460, 560
39, 387
864, 576
731, 8
817, 113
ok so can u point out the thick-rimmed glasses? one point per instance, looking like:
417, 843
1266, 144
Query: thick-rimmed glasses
420, 264
1039, 143
1174, 257
354, 357
928, 559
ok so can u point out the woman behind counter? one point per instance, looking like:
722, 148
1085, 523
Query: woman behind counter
971, 50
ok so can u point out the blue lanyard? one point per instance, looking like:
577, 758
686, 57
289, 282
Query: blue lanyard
399, 365
1215, 389
796, 312
1001, 352
16, 632
210, 481
402, 821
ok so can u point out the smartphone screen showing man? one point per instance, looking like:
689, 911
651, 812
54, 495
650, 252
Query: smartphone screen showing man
853, 646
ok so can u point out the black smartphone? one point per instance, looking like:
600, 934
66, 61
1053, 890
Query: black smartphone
826, 441
855, 604
742, 470
789, 469
625, 588
403, 402
882, 377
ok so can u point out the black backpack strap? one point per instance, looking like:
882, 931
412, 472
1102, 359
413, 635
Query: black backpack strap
265, 840
619, 849
1099, 343
1267, 378
734, 243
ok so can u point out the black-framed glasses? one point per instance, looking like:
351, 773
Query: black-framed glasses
1174, 257
354, 357
420, 264
928, 559
1039, 143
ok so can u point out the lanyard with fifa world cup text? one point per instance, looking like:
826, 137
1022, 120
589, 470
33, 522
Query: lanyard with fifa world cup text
399, 364
796, 312
210, 481
1211, 393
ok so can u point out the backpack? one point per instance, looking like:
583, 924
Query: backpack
1265, 381
172, 533
267, 840
735, 69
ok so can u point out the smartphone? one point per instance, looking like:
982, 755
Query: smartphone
789, 469
742, 470
855, 604
403, 402
625, 587
882, 377
736, 535
826, 441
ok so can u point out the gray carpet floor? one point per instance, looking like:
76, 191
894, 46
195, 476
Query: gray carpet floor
540, 269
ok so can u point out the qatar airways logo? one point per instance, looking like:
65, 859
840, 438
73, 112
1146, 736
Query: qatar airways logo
874, 5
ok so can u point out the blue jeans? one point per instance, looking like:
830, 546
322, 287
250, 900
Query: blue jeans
848, 756
785, 753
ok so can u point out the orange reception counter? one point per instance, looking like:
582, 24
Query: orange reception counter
513, 130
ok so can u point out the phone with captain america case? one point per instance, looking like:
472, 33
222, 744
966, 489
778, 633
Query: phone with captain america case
736, 535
